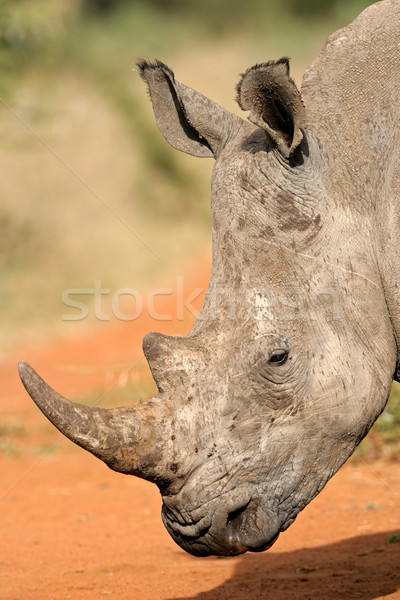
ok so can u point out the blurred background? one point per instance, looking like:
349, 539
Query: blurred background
78, 133
90, 191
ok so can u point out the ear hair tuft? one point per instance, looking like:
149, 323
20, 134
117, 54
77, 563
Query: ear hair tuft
262, 66
143, 65
274, 102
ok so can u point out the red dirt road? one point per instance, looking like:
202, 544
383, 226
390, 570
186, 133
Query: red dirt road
71, 528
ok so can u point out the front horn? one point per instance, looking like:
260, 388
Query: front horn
128, 439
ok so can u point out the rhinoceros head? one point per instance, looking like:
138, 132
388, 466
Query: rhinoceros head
292, 356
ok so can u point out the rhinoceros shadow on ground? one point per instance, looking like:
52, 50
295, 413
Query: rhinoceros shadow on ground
362, 568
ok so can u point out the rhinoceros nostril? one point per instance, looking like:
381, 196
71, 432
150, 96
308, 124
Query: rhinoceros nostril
247, 529
234, 518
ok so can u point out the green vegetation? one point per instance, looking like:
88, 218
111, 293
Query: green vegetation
383, 441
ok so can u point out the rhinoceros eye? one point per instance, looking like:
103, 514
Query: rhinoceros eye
279, 358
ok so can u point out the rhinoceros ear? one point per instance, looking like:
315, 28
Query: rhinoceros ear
189, 121
268, 91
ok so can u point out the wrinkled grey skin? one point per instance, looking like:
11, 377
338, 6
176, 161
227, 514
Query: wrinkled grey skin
293, 354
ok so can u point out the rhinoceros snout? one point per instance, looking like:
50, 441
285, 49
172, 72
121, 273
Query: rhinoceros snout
228, 526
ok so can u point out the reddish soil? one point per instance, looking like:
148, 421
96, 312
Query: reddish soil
71, 528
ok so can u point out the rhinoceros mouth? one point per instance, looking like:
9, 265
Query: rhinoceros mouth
187, 530
232, 525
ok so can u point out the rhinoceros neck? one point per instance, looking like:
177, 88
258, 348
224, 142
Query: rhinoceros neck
351, 95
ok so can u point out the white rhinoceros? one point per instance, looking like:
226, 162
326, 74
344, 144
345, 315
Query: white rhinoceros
292, 358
